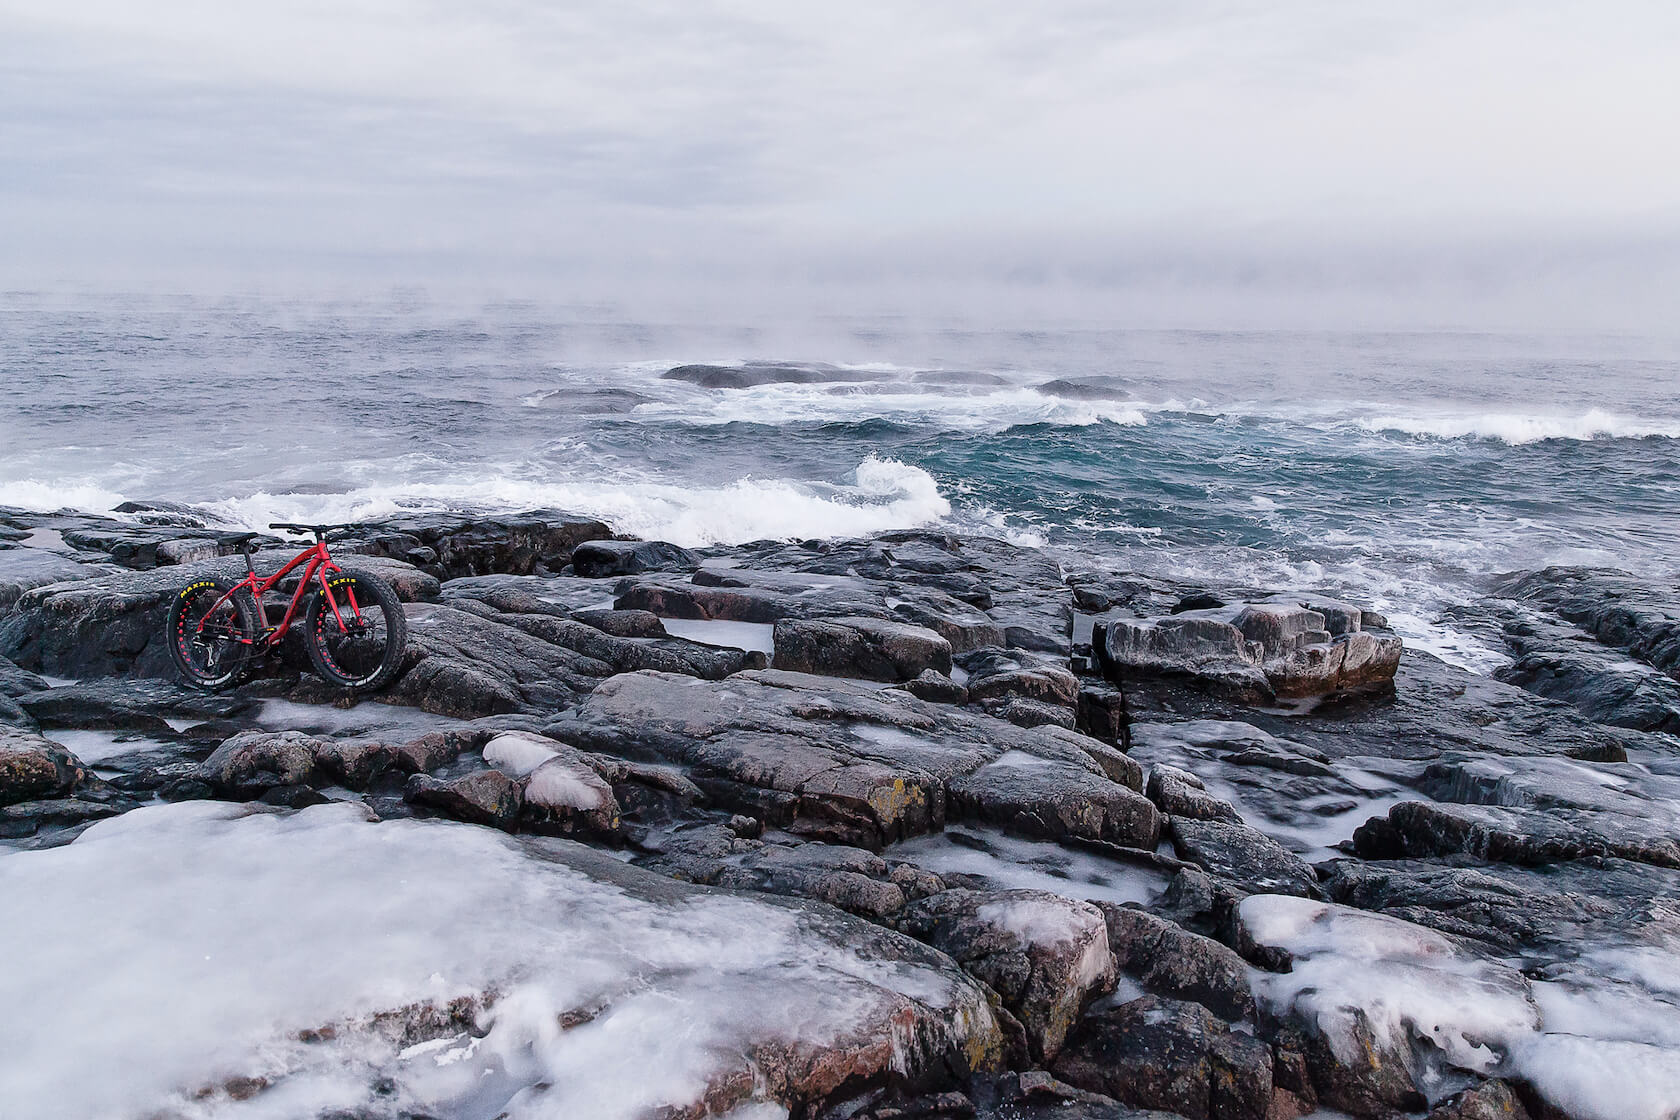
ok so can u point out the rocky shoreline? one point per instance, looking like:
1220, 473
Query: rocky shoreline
927, 826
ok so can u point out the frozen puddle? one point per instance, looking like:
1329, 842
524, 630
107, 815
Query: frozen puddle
1007, 862
369, 719
251, 952
734, 635
94, 747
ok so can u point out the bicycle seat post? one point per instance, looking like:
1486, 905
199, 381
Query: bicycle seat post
250, 566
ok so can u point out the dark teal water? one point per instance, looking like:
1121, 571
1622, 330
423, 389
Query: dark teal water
1402, 469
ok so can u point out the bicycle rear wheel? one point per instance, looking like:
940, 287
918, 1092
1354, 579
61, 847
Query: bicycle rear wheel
356, 641
211, 633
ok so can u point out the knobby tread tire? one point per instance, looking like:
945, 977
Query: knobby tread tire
245, 611
372, 593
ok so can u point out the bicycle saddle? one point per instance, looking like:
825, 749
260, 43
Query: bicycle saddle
241, 541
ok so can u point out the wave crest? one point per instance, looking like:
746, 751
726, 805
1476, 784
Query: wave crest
1519, 428
880, 494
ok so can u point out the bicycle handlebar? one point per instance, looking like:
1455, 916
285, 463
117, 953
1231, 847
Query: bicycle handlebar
296, 528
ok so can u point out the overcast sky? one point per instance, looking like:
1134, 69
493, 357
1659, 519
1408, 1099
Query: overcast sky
1523, 148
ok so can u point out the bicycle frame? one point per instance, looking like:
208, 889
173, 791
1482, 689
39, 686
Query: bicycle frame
319, 565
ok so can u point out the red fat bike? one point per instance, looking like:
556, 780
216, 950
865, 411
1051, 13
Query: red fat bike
353, 623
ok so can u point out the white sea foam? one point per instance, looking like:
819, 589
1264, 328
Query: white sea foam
881, 494
79, 494
983, 410
1514, 428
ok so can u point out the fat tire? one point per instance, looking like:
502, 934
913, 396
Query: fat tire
371, 593
245, 612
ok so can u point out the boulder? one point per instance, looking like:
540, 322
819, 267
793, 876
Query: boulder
872, 649
1170, 961
253, 762
1254, 651
1513, 835
1172, 1055
1180, 793
600, 559
1050, 799
483, 797
452, 545
1044, 955
32, 768
1243, 857
936, 688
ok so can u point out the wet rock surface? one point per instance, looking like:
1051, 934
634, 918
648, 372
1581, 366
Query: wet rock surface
1161, 849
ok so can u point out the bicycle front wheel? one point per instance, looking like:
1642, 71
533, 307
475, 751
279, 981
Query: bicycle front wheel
356, 637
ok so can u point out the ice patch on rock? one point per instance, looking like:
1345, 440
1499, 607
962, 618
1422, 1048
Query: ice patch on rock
229, 931
517, 753
1592, 1046
560, 784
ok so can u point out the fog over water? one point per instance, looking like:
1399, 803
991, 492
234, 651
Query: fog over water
1372, 298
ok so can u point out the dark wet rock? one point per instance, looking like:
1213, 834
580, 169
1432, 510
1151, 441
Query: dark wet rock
1100, 711
452, 545
853, 764
1282, 647
751, 374
623, 624
1511, 835
32, 767
1491, 1100
1088, 388
936, 688
462, 664
1023, 712
995, 674
149, 546
1170, 961
484, 797
355, 763
16, 683
1053, 800
24, 569
627, 655
561, 596
1435, 709
1241, 856
869, 648
1536, 910
436, 749
1038, 1095
135, 705
852, 879
33, 817
964, 625
1045, 955
1179, 793
604, 558
1172, 1055
1604, 687
1119, 766
1640, 618
253, 762
673, 598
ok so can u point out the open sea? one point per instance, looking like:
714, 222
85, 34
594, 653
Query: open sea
1398, 469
